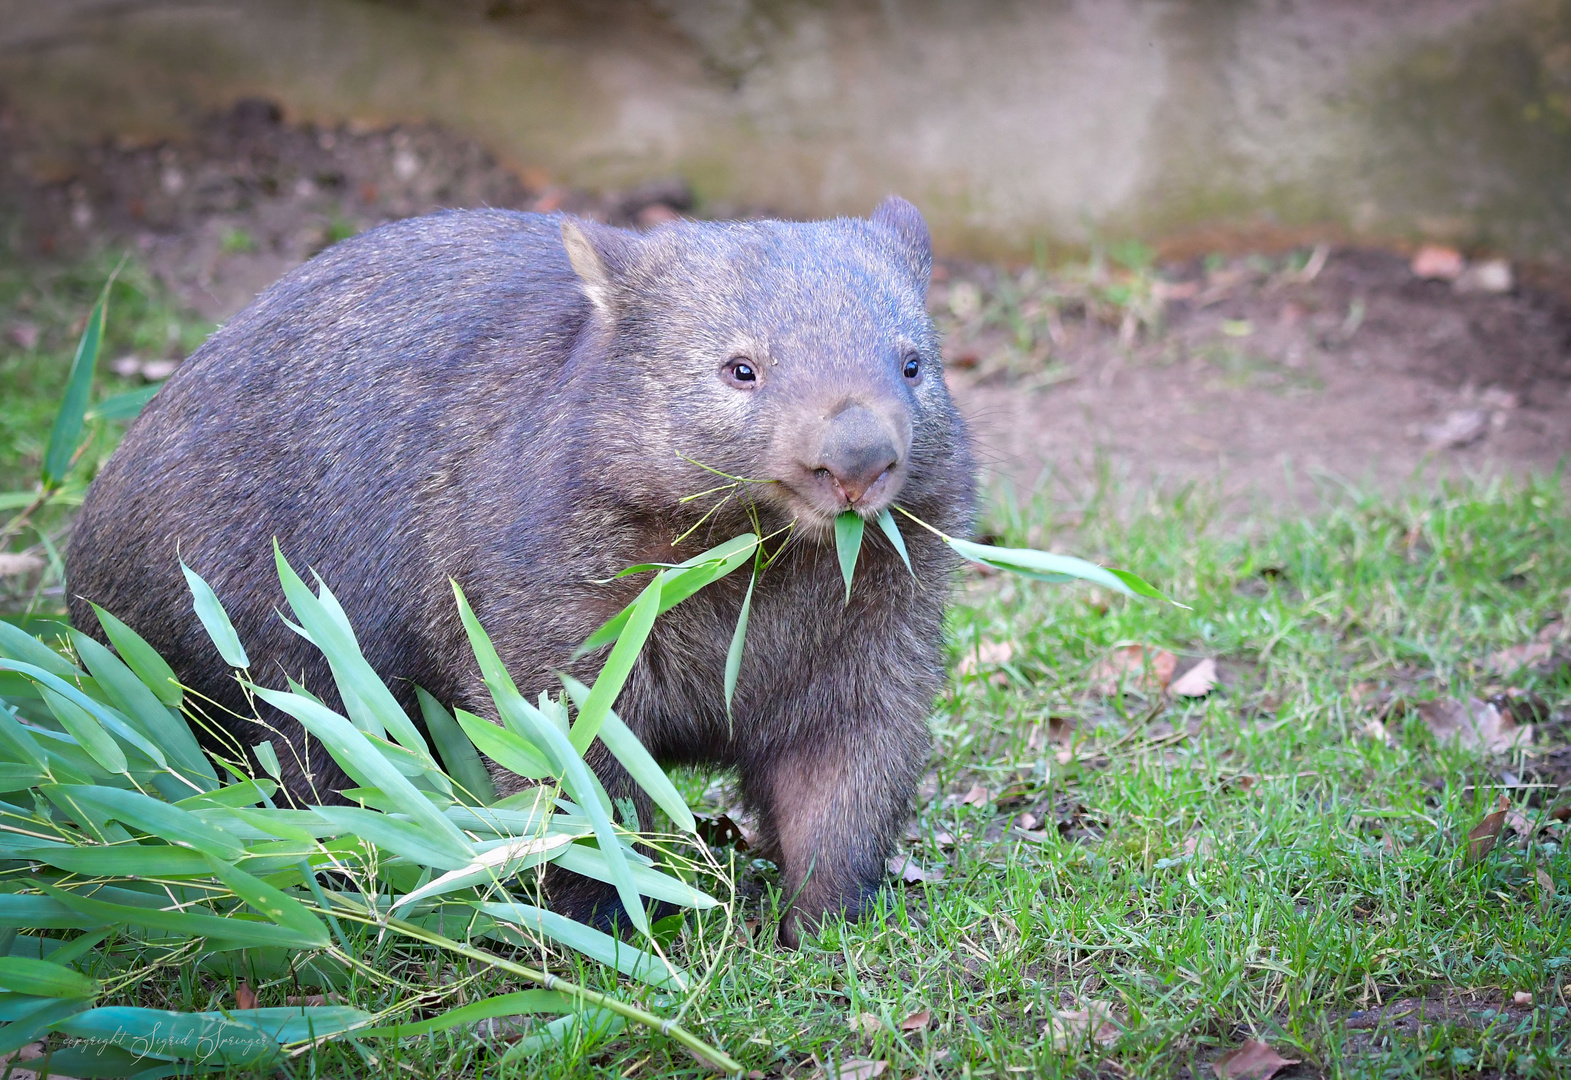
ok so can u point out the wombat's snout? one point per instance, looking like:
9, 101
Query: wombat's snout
856, 458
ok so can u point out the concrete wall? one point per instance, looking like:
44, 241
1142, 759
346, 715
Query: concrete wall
1013, 124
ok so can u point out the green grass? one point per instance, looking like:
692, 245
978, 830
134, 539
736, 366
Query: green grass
1247, 865
1290, 912
42, 311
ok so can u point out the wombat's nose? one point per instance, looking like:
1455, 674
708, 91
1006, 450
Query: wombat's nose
856, 451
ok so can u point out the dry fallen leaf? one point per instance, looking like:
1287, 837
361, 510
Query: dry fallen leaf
1254, 1060
1196, 843
977, 796
1546, 890
1133, 667
1514, 658
1481, 838
1375, 730
1198, 681
856, 1069
1027, 821
864, 1023
25, 334
907, 870
917, 1021
1439, 262
1520, 824
245, 997
1475, 725
1521, 997
1072, 1028
986, 654
15, 564
1457, 428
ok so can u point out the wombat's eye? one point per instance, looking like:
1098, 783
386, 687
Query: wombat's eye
912, 367
740, 370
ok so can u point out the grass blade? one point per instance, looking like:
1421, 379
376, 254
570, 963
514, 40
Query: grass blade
67, 430
215, 620
848, 544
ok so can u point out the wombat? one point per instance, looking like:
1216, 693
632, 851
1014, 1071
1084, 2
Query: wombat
521, 402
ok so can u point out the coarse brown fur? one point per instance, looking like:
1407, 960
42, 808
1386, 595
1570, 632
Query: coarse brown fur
455, 396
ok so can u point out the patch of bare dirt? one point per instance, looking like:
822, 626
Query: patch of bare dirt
1241, 374
1268, 385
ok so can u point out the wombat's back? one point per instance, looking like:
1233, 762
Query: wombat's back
383, 365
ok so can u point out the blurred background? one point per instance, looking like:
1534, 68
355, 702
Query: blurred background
1265, 248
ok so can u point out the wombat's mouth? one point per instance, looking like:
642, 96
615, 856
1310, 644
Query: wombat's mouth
815, 497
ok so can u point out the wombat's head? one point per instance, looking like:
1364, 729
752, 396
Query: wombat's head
800, 355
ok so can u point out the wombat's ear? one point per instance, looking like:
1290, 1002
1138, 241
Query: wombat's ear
905, 221
599, 255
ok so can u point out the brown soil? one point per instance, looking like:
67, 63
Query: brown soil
1257, 383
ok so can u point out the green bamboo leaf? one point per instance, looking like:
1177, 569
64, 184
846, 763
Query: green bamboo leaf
42, 913
848, 544
508, 750
498, 862
122, 860
160, 819
458, 753
277, 906
233, 931
18, 644
733, 658
87, 732
239, 1037
635, 758
395, 836
617, 667
17, 1035
142, 659
681, 581
517, 1003
267, 757
20, 741
366, 697
891, 529
124, 406
215, 620
369, 767
15, 777
591, 863
630, 961
44, 978
143, 710
241, 793
67, 430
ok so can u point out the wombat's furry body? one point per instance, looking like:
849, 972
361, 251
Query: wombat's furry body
466, 396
